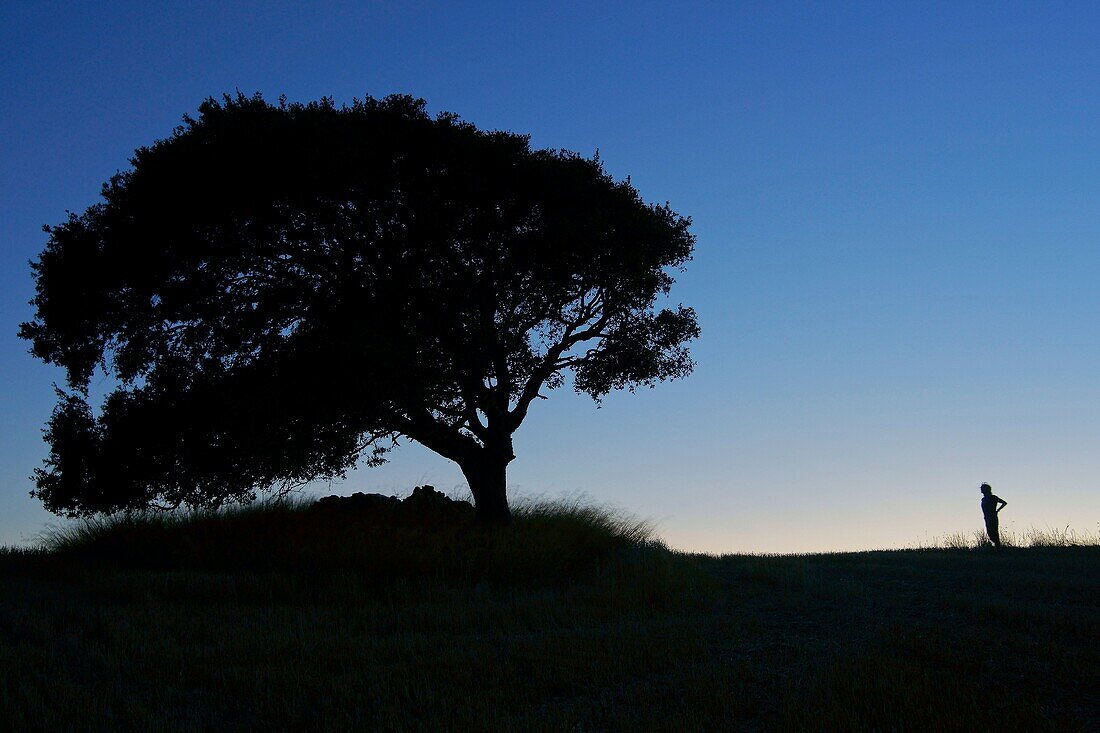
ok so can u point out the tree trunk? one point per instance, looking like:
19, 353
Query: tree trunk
486, 475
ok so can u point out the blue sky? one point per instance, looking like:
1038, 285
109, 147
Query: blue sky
896, 207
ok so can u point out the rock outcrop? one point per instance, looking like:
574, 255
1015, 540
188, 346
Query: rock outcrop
424, 505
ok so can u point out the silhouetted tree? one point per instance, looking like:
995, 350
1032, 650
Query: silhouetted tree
277, 292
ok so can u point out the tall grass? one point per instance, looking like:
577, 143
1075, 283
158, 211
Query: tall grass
1031, 537
547, 541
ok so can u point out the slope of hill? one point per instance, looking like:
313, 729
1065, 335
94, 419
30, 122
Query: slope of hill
631, 636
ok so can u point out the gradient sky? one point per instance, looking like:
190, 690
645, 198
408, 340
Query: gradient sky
897, 209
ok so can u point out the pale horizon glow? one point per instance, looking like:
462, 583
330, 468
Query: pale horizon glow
896, 212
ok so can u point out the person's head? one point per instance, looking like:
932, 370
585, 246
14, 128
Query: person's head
986, 488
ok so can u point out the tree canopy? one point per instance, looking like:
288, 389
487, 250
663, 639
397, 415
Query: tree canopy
281, 291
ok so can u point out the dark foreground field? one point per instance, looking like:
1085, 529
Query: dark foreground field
623, 635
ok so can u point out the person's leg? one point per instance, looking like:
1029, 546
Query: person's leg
993, 531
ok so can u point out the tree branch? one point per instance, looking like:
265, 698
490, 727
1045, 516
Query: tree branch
445, 440
552, 361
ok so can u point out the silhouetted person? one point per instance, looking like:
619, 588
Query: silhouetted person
990, 502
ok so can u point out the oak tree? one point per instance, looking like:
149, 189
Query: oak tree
278, 292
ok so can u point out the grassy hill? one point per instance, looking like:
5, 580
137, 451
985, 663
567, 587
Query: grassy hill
570, 620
